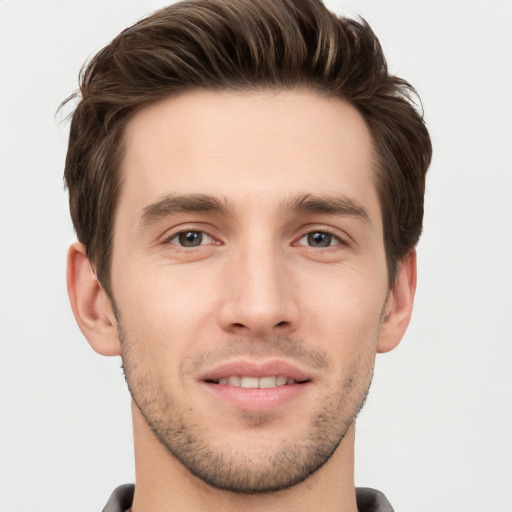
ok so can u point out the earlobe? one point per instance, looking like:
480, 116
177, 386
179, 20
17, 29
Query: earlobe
398, 309
90, 304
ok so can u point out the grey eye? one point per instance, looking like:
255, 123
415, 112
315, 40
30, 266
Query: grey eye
191, 239
319, 239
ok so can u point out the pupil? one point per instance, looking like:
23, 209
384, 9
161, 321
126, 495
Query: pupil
319, 239
190, 239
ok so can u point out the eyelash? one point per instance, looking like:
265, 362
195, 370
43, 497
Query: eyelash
174, 239
185, 232
332, 238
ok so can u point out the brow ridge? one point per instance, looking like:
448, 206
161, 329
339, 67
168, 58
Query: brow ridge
328, 204
174, 204
325, 204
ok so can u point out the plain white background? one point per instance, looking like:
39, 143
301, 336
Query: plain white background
436, 433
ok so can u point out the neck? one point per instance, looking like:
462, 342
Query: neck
164, 485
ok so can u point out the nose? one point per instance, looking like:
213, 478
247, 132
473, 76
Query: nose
259, 297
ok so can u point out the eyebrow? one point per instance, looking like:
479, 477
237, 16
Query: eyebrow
175, 204
329, 204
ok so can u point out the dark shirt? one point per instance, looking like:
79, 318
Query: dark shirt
368, 500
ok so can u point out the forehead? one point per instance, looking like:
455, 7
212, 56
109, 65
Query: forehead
245, 145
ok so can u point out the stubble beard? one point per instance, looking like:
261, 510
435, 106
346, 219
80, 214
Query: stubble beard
247, 469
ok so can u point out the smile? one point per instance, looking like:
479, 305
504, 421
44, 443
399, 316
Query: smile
256, 386
256, 382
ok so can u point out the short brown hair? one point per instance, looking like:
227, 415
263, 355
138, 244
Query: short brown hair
243, 45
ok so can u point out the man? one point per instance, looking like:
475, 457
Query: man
246, 182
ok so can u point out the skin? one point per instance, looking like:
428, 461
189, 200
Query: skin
291, 270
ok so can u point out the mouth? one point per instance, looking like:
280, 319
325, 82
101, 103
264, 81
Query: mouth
253, 386
248, 382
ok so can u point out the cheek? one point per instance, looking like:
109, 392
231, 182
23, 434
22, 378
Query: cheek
163, 305
344, 321
344, 300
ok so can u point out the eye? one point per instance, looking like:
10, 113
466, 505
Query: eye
319, 239
191, 239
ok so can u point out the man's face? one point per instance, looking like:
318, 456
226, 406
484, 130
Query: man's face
250, 278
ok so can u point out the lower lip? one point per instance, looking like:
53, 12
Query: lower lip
259, 399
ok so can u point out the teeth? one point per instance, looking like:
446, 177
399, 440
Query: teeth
234, 381
267, 382
255, 382
249, 382
281, 381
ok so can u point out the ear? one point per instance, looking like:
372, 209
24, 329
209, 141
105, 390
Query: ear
90, 304
398, 309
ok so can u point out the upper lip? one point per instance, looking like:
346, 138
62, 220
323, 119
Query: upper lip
256, 369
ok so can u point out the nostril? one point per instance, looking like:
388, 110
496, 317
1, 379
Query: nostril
281, 324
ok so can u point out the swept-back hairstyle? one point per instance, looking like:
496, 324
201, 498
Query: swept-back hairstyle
243, 45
